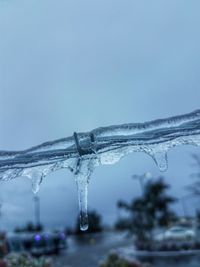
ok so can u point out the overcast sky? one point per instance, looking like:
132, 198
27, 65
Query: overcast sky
73, 65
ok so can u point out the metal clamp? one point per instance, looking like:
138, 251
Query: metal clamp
81, 151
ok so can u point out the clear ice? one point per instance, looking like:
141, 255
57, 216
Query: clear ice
82, 152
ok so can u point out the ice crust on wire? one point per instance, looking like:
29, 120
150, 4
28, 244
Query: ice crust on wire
82, 152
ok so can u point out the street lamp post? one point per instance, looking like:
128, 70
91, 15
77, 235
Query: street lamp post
184, 204
37, 210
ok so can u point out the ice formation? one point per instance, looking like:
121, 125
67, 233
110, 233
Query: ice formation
82, 152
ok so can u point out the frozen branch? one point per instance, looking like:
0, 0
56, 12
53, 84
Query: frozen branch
84, 151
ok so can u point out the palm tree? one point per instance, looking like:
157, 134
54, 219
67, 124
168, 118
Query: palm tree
150, 210
194, 188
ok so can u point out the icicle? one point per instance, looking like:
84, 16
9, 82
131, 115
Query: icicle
82, 186
82, 174
36, 181
161, 160
36, 177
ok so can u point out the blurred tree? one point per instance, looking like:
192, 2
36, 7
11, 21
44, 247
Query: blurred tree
123, 224
113, 260
95, 223
39, 228
198, 217
194, 188
29, 227
150, 210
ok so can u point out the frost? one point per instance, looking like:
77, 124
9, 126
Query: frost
82, 152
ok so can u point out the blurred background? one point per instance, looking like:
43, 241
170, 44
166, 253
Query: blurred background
70, 66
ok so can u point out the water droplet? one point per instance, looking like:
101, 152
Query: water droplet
84, 221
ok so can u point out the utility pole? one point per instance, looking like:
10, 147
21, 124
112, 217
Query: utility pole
185, 211
183, 201
141, 178
37, 210
1, 216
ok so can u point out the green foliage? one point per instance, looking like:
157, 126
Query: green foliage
150, 210
198, 217
194, 188
114, 260
123, 224
24, 260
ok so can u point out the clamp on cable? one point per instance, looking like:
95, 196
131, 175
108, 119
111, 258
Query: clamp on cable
81, 151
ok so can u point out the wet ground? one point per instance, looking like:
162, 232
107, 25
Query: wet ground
192, 261
89, 251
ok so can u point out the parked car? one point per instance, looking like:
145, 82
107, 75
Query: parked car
36, 244
177, 233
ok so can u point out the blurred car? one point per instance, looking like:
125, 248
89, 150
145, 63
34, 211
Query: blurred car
36, 244
47, 243
14, 243
177, 233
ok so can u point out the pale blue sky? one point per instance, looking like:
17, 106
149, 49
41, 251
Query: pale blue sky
70, 66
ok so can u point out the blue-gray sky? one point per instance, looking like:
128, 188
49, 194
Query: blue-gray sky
71, 65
